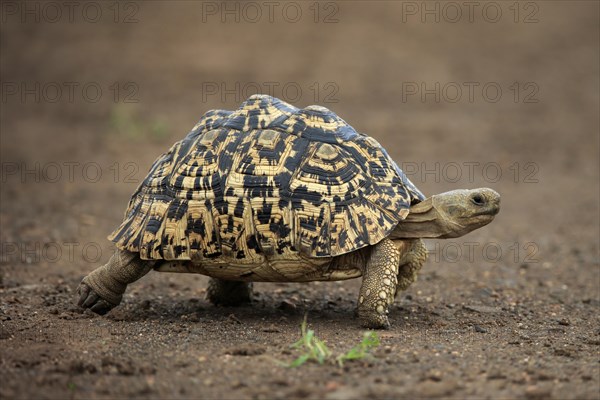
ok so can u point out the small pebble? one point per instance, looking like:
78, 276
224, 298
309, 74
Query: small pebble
535, 392
271, 328
235, 319
145, 304
287, 305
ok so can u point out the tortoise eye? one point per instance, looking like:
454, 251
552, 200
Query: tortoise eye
478, 199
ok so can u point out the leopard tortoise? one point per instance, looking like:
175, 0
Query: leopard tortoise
270, 193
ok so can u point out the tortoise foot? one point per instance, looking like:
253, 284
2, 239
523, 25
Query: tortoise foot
373, 320
88, 298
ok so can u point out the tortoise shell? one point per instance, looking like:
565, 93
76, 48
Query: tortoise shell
266, 179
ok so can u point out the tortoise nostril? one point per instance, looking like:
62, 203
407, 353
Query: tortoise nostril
478, 199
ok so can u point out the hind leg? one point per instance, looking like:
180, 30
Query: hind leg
228, 293
103, 288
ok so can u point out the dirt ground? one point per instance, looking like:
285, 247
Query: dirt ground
503, 95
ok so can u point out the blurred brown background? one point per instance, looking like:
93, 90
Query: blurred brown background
498, 94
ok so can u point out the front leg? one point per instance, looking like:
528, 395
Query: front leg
413, 255
378, 285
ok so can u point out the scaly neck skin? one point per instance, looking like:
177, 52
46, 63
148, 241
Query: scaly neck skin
423, 221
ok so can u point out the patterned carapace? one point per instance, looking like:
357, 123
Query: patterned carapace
266, 179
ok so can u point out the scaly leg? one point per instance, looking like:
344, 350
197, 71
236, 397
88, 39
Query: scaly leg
228, 293
413, 256
379, 285
103, 288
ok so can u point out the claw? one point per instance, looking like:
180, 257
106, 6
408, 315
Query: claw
376, 325
92, 298
101, 307
83, 291
88, 298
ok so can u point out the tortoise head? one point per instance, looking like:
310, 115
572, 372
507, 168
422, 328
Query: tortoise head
449, 215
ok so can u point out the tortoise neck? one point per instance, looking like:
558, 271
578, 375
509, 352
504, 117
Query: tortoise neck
423, 221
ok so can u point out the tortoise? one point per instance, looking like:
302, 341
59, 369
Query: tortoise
274, 193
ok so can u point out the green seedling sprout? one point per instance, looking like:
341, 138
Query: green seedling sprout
369, 342
315, 349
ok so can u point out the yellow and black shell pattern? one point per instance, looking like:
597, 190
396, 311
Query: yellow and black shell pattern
268, 179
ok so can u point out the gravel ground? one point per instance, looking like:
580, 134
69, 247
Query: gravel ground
509, 311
